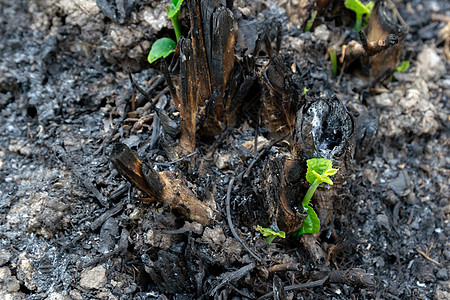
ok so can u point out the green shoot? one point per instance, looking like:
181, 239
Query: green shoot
165, 46
319, 170
305, 90
310, 22
360, 9
270, 233
404, 66
333, 59
173, 13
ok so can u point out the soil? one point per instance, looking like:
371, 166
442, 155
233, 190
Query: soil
72, 228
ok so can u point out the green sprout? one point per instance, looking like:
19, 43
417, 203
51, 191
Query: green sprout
310, 22
404, 66
305, 90
165, 46
360, 9
333, 59
270, 233
319, 170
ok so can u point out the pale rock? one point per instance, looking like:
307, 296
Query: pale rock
25, 271
75, 295
93, 278
157, 239
429, 64
214, 235
156, 18
4, 255
222, 160
322, 33
261, 143
56, 296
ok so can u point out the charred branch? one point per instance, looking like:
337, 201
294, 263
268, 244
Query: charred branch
381, 40
163, 187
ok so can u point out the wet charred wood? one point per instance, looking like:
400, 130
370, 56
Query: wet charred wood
188, 105
163, 187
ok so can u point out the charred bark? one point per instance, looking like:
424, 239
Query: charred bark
283, 189
163, 187
277, 98
381, 42
207, 62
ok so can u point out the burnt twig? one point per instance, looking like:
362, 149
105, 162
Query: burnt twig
353, 277
109, 213
166, 73
285, 267
301, 286
122, 246
86, 182
160, 186
375, 47
232, 276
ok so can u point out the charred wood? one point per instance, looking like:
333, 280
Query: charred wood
163, 187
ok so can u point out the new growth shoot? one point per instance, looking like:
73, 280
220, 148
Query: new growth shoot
360, 9
270, 233
319, 170
165, 46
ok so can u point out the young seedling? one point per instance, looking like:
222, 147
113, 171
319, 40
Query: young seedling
360, 9
333, 58
319, 170
270, 233
305, 90
404, 66
310, 22
165, 46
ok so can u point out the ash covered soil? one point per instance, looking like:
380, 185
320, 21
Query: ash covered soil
72, 228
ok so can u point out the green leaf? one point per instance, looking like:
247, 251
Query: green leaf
270, 233
403, 67
311, 224
304, 91
174, 8
357, 6
161, 48
319, 165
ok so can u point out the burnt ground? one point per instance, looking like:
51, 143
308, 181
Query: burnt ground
72, 228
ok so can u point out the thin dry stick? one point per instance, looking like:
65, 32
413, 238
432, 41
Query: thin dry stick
426, 255
230, 221
233, 276
300, 286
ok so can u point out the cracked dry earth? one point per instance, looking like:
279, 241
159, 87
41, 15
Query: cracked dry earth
72, 228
